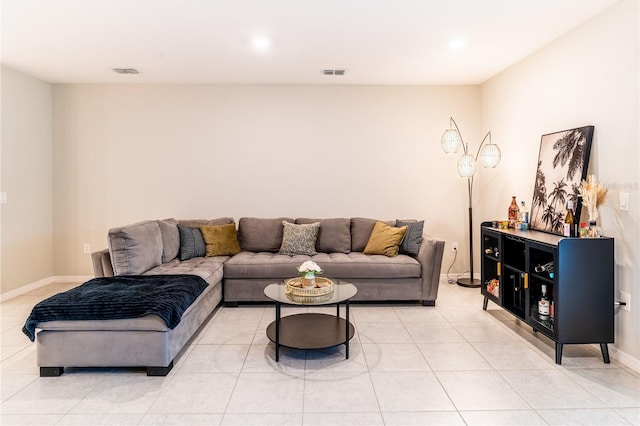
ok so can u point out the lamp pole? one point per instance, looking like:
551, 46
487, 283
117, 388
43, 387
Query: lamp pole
451, 141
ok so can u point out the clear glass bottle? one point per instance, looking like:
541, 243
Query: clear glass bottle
543, 304
524, 213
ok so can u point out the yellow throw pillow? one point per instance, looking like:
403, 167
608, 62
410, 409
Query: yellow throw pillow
385, 240
220, 240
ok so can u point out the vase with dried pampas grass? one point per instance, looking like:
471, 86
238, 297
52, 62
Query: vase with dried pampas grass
594, 195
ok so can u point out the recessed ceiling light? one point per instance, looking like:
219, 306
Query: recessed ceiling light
126, 71
261, 42
457, 43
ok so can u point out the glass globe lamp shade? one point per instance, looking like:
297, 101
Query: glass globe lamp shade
466, 166
490, 155
451, 141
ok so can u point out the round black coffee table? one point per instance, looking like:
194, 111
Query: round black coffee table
311, 330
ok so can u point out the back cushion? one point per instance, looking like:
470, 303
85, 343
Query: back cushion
136, 248
196, 223
170, 239
361, 231
258, 234
334, 235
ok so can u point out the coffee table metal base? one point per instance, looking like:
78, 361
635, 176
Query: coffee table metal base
310, 331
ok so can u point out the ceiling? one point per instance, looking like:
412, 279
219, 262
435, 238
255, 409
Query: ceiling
393, 42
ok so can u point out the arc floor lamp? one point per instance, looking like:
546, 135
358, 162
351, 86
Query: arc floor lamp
490, 156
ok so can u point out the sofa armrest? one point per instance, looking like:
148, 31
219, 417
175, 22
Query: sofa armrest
430, 258
102, 266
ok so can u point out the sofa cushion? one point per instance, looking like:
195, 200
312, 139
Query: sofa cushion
334, 235
277, 267
191, 243
385, 240
299, 239
208, 268
259, 234
135, 248
170, 239
220, 240
361, 231
413, 238
195, 223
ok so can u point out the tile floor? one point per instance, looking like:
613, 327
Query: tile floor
454, 364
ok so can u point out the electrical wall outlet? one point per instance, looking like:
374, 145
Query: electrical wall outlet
454, 246
623, 201
625, 298
86, 248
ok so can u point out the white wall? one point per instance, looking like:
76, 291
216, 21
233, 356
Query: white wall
26, 176
590, 76
125, 153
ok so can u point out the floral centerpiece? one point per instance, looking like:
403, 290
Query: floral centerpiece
309, 270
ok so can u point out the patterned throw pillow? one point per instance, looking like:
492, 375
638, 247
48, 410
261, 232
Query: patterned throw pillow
299, 239
191, 243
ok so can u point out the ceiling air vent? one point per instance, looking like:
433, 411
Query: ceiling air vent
126, 71
337, 71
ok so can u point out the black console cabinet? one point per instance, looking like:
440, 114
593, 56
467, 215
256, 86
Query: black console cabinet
577, 273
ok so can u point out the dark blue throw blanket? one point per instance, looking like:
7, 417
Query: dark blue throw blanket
121, 297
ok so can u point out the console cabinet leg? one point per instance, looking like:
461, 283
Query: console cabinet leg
605, 352
485, 303
558, 353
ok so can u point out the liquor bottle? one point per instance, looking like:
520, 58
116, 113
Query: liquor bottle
524, 213
543, 304
569, 221
513, 213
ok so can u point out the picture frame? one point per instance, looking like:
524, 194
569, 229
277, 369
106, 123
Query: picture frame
562, 165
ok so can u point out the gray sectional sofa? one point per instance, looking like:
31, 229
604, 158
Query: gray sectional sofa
161, 247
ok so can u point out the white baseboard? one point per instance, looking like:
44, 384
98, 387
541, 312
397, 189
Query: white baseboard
624, 358
41, 283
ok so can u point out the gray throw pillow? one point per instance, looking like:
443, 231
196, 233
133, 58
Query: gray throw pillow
413, 238
299, 239
170, 239
135, 248
191, 243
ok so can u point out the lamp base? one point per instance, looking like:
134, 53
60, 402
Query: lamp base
468, 282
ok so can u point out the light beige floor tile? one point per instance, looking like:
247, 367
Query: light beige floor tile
383, 332
581, 417
632, 415
421, 314
266, 419
52, 395
10, 384
453, 356
101, 419
268, 393
373, 314
413, 391
507, 417
614, 386
334, 359
30, 419
122, 394
512, 355
223, 333
550, 389
326, 392
477, 390
8, 351
466, 314
486, 332
22, 362
438, 333
214, 359
346, 419
241, 314
394, 357
196, 393
210, 419
261, 359
421, 418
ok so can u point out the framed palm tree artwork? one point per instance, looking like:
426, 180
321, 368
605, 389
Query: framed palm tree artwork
562, 165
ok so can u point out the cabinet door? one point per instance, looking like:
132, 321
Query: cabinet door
542, 287
491, 266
